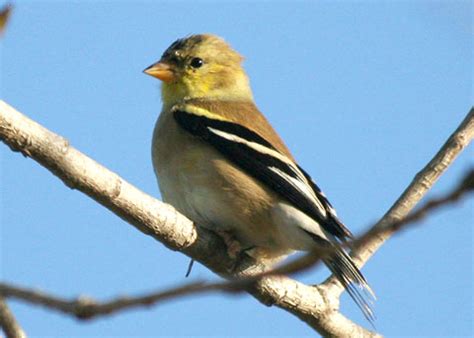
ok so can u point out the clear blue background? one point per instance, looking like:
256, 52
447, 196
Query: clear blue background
364, 93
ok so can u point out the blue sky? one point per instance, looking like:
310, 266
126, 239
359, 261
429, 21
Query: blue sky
363, 92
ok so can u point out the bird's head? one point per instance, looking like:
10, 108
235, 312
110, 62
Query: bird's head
201, 66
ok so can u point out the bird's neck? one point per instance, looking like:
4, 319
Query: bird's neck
237, 90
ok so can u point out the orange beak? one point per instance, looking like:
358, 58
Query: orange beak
162, 71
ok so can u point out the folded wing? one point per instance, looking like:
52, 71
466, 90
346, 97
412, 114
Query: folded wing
260, 159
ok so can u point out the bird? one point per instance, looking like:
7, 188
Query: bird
219, 162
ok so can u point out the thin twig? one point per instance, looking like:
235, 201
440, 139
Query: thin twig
87, 308
465, 186
421, 183
8, 323
5, 13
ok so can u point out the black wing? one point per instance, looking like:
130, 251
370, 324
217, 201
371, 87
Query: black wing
336, 227
258, 158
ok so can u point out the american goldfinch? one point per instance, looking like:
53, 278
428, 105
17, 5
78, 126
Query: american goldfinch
219, 162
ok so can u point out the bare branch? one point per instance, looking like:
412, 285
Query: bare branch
317, 306
465, 186
88, 308
84, 307
420, 185
422, 182
5, 13
8, 322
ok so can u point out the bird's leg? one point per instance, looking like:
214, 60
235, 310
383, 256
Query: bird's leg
235, 250
190, 268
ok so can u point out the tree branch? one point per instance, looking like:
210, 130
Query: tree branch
317, 306
466, 185
8, 322
5, 13
421, 183
88, 308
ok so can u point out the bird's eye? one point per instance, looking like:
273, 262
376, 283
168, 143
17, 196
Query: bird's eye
196, 62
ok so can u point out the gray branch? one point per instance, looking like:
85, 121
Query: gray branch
421, 183
317, 306
8, 323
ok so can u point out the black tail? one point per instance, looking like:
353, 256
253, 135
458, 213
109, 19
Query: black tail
343, 267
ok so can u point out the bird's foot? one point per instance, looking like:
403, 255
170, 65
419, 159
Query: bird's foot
235, 250
233, 246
